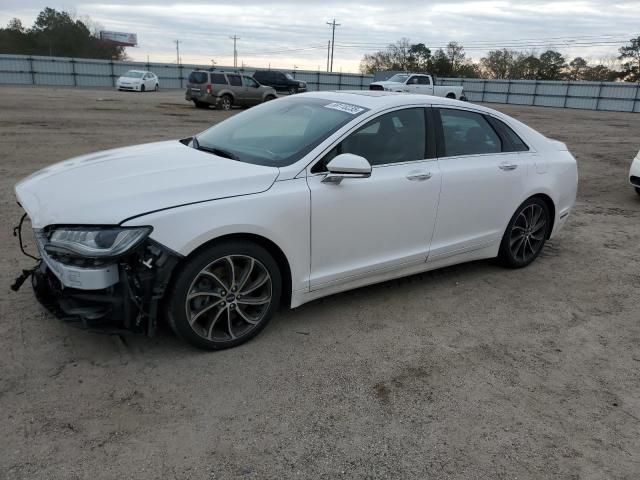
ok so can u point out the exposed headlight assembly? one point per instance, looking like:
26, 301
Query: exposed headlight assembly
96, 242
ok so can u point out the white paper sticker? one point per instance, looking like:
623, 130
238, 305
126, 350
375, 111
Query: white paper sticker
345, 107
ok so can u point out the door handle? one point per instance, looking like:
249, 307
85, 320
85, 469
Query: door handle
507, 166
419, 177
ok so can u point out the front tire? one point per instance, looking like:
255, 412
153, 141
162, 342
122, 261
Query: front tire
292, 90
225, 295
142, 89
526, 234
157, 87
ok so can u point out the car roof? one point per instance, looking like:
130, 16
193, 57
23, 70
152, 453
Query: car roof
377, 99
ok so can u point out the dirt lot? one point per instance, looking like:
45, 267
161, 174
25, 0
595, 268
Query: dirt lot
470, 372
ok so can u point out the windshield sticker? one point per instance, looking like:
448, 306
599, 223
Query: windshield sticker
345, 107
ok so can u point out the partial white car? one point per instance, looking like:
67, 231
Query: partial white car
418, 83
634, 173
290, 201
138, 81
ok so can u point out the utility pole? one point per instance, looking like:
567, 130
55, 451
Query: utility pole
177, 42
235, 38
333, 39
328, 52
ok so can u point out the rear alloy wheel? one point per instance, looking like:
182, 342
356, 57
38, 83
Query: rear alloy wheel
293, 90
526, 234
225, 295
226, 102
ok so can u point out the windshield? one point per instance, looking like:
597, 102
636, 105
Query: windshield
288, 75
399, 77
278, 133
133, 74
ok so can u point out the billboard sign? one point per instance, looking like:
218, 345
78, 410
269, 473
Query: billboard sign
119, 38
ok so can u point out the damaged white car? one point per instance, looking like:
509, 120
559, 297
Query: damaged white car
293, 200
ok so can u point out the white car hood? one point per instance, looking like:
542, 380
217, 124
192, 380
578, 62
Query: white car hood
108, 187
388, 84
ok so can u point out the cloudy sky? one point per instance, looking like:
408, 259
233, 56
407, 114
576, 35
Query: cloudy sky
284, 33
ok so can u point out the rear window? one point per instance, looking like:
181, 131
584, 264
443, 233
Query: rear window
235, 80
515, 143
218, 79
198, 77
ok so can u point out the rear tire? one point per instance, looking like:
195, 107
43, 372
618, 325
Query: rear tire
268, 98
226, 102
451, 96
225, 295
526, 234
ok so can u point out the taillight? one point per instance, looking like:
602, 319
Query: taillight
209, 88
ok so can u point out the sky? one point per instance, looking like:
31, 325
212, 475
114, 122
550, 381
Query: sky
291, 34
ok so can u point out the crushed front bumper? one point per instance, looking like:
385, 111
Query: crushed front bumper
124, 295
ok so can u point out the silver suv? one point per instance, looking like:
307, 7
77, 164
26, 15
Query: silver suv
225, 89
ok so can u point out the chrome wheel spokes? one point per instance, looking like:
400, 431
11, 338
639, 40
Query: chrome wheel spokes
528, 232
229, 297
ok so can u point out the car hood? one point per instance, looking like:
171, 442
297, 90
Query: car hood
105, 188
387, 83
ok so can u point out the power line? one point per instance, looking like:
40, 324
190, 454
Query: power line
333, 39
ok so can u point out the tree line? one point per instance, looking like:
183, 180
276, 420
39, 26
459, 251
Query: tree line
57, 33
452, 61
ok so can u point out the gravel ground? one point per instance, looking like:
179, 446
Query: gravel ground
469, 372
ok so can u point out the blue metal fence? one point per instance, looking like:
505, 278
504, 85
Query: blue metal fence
61, 71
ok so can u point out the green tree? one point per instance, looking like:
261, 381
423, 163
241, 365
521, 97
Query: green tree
552, 64
577, 68
56, 33
631, 53
499, 64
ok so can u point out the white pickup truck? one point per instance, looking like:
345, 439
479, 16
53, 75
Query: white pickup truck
418, 83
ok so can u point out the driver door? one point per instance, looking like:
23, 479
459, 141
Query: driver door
364, 226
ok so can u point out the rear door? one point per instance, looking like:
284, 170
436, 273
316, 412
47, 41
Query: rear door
238, 88
252, 92
419, 84
483, 177
196, 84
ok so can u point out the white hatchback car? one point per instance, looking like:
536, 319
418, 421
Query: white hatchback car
138, 81
634, 173
293, 200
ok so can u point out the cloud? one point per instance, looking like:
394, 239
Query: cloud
289, 32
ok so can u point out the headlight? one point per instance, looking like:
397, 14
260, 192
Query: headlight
300, 84
92, 242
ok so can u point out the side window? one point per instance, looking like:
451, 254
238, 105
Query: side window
235, 80
415, 80
218, 79
394, 137
468, 133
249, 82
424, 81
513, 142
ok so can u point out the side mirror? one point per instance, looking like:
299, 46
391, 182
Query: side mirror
347, 165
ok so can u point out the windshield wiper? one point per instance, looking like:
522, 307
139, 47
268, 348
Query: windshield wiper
215, 150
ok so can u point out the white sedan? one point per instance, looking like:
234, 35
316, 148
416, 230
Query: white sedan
634, 173
293, 200
138, 81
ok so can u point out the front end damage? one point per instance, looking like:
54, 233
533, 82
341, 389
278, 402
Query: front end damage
108, 295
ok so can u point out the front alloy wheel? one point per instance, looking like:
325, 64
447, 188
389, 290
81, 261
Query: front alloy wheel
225, 296
526, 234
